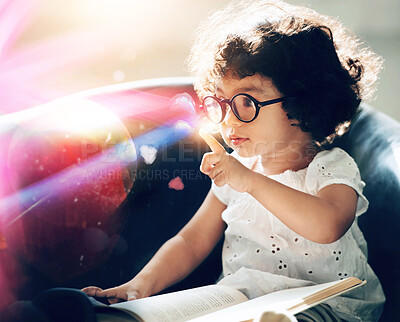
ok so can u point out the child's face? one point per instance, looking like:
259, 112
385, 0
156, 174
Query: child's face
270, 134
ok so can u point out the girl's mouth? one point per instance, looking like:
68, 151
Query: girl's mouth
237, 141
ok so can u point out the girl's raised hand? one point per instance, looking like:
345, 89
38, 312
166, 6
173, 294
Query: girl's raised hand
223, 168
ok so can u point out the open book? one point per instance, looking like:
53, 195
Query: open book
220, 303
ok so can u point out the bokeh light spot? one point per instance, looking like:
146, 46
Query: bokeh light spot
176, 184
118, 76
148, 153
182, 126
183, 102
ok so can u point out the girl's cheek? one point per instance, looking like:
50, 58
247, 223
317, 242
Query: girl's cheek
223, 136
227, 143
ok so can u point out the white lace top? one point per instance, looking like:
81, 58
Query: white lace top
261, 254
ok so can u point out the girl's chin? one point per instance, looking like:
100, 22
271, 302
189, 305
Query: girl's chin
242, 152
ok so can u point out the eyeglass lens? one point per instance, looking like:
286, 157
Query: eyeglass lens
242, 106
213, 109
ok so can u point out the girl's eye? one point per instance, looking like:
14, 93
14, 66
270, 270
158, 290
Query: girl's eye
247, 102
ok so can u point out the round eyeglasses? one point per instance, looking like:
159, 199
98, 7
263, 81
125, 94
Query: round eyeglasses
244, 106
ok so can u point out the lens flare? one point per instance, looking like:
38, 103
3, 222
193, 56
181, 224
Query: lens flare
69, 167
66, 167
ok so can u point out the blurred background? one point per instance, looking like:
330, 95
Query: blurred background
49, 49
127, 40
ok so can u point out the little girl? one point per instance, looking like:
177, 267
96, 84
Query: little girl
282, 82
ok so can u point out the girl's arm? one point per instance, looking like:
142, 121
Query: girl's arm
323, 218
180, 255
177, 258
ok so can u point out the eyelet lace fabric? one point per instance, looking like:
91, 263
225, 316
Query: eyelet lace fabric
262, 255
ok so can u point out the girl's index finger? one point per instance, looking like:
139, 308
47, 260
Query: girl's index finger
214, 145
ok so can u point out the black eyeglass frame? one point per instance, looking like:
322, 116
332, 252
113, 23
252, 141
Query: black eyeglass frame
257, 104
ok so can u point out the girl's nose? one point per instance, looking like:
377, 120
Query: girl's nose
230, 118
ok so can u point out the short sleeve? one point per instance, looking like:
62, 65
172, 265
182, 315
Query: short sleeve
336, 167
222, 193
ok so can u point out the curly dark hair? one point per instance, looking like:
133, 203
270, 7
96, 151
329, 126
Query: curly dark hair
316, 63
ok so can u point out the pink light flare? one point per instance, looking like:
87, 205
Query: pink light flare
63, 178
15, 15
69, 165
157, 105
38, 231
21, 69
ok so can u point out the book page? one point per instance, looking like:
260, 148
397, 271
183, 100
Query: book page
293, 300
115, 316
183, 305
